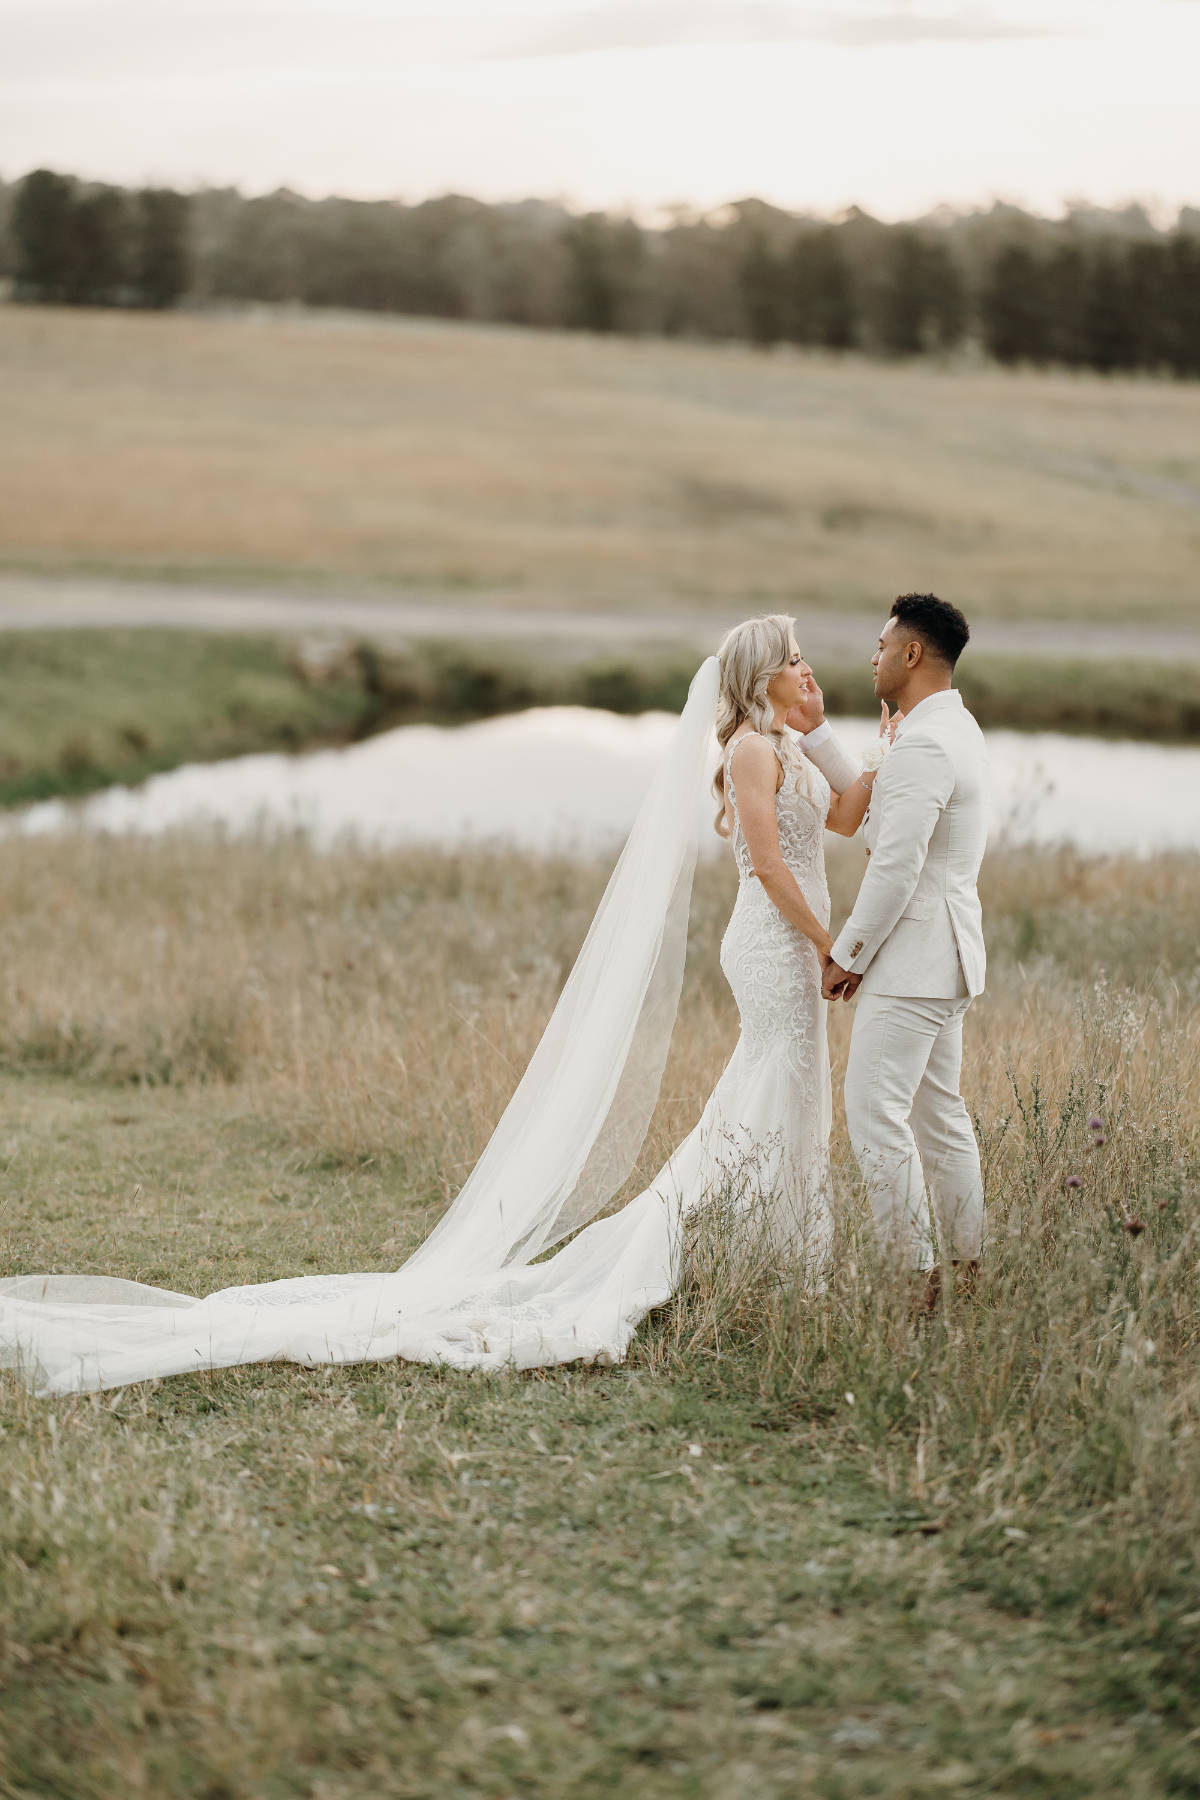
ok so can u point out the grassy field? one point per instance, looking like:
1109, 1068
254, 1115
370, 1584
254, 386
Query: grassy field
80, 710
569, 471
792, 1547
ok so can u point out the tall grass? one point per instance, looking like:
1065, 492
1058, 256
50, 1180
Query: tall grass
798, 1544
392, 999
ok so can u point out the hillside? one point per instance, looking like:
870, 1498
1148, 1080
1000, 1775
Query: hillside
563, 471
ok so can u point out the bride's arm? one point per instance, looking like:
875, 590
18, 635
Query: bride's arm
757, 778
848, 808
824, 749
847, 811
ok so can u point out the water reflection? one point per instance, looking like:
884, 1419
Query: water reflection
567, 777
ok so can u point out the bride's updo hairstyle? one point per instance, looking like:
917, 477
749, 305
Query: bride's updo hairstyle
751, 656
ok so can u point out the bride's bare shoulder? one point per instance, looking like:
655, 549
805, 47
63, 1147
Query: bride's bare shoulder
757, 757
746, 735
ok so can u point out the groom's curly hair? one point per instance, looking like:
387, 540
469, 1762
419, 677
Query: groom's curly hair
940, 626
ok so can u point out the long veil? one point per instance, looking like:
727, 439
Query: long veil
472, 1294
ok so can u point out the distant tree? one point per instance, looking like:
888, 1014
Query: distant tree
605, 273
1013, 307
528, 262
633, 265
100, 271
1110, 330
213, 217
362, 254
1067, 283
1181, 311
761, 283
266, 242
695, 280
1102, 288
946, 306
921, 300
161, 264
591, 284
7, 247
445, 239
1146, 275
820, 303
900, 308
43, 229
471, 262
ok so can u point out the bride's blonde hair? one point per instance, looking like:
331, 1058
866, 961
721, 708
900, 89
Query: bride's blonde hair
752, 654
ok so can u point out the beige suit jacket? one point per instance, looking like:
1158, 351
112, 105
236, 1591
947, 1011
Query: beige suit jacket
916, 927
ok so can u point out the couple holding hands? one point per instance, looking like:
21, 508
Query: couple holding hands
481, 1292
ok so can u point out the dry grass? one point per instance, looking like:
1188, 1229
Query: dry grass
384, 1004
793, 1547
573, 471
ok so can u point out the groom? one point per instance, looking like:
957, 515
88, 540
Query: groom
914, 942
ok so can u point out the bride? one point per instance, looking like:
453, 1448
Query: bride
474, 1294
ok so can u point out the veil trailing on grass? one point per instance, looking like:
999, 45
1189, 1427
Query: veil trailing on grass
472, 1294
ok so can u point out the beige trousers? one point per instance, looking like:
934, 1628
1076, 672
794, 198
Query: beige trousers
910, 1129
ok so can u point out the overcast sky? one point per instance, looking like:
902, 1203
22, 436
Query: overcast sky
814, 104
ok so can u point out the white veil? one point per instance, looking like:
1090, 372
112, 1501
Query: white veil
567, 1141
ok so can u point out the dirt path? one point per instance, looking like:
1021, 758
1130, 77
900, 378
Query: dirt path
29, 602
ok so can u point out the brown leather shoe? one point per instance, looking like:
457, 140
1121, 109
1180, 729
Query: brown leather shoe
927, 1292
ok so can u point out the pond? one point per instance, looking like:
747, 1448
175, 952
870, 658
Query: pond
572, 778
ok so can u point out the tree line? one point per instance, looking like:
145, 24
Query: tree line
1098, 289
85, 244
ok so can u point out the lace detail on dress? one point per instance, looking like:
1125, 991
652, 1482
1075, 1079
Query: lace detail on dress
775, 974
801, 809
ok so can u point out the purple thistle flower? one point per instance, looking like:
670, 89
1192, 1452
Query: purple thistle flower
1098, 1140
1095, 1124
1133, 1226
1073, 1181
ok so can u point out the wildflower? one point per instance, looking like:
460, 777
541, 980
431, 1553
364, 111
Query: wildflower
1073, 1181
1097, 1140
1134, 1227
1095, 1124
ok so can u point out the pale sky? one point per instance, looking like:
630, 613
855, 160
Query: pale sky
893, 105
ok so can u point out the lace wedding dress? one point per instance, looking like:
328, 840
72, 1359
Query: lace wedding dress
765, 1131
475, 1295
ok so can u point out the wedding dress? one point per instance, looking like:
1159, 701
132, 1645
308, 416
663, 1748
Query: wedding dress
473, 1294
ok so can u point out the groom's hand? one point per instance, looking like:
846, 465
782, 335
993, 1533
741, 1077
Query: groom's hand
834, 979
811, 710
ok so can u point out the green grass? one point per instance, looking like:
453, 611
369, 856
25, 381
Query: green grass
685, 1577
793, 1547
82, 709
